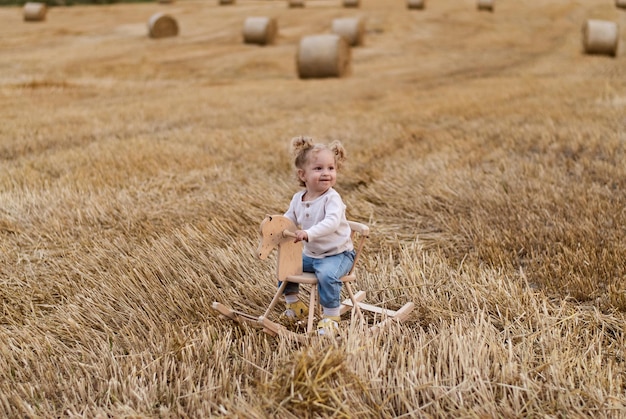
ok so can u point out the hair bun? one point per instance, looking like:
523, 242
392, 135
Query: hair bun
300, 143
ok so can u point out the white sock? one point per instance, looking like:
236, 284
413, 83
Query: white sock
332, 312
291, 298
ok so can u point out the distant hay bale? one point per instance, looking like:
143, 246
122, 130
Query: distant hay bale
416, 4
351, 3
226, 2
161, 25
351, 29
259, 30
600, 37
295, 3
620, 3
323, 56
35, 12
485, 5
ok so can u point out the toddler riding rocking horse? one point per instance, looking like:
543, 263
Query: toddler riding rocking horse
277, 232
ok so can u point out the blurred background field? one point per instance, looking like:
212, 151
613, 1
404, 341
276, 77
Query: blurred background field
486, 152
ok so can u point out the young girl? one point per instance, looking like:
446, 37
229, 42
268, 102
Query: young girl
320, 215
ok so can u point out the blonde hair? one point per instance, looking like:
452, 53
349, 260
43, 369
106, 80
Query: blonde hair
302, 147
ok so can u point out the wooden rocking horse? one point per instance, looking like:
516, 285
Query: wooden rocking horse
277, 231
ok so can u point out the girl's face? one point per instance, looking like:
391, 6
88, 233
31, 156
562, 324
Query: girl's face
319, 173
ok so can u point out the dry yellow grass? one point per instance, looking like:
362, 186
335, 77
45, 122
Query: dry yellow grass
486, 152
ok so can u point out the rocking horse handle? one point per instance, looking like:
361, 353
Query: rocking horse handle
287, 233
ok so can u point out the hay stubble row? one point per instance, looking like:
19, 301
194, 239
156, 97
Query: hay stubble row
485, 151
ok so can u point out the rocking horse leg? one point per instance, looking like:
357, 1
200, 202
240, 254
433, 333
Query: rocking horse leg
357, 310
312, 306
275, 299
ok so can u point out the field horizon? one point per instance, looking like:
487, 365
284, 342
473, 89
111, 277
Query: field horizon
485, 151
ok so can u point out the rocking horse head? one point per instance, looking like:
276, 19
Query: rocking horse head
271, 232
274, 234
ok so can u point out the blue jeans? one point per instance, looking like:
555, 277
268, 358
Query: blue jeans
328, 271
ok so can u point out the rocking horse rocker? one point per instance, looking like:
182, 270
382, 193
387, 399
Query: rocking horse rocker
277, 231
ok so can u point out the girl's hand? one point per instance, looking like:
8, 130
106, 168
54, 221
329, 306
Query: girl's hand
300, 236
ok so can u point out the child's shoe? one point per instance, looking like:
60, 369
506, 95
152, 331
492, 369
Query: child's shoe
296, 311
328, 326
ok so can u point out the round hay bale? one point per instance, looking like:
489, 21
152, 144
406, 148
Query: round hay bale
161, 25
350, 29
259, 30
620, 3
486, 5
35, 12
600, 37
416, 4
351, 3
226, 2
321, 56
295, 3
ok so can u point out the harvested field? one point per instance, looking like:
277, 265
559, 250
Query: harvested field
486, 152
